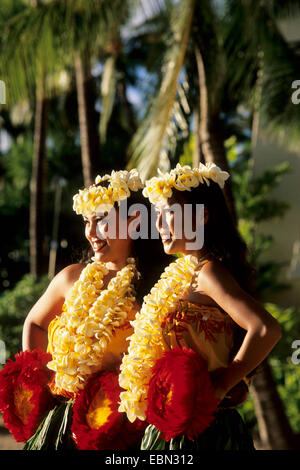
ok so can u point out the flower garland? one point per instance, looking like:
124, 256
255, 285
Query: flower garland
146, 345
99, 198
86, 325
183, 178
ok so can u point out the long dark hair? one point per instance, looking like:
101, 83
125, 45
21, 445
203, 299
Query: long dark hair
223, 240
150, 256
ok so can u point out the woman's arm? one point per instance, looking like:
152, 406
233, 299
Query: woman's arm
262, 330
35, 329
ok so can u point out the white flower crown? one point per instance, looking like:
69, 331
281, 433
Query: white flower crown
183, 178
99, 198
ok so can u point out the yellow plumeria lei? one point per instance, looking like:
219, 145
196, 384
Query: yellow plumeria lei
88, 320
183, 178
99, 198
146, 344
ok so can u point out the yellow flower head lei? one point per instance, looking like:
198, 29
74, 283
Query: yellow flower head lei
100, 198
183, 178
79, 337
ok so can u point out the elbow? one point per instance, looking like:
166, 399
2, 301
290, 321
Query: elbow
28, 333
25, 333
271, 331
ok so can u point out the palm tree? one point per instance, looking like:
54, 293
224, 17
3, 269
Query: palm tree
10, 44
90, 143
37, 184
156, 133
210, 58
40, 41
155, 139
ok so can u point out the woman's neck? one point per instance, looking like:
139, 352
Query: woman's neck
120, 263
116, 265
199, 254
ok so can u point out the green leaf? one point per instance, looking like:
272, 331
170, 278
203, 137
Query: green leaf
54, 431
152, 439
151, 143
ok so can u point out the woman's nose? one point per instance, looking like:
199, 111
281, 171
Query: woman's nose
159, 221
92, 230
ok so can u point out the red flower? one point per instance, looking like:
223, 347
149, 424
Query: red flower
24, 394
97, 423
181, 397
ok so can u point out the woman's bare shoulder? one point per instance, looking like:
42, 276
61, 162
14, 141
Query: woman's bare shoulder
71, 272
65, 279
214, 273
50, 303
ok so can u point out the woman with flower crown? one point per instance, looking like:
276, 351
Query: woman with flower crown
200, 332
75, 335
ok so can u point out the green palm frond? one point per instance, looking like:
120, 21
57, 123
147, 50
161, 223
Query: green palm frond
43, 40
242, 46
258, 54
108, 91
144, 41
155, 136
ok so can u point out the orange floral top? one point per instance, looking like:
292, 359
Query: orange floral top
205, 329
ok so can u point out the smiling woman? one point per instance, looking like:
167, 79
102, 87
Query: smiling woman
83, 318
126, 229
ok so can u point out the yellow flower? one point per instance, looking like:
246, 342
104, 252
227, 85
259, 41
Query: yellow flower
86, 324
146, 344
182, 178
100, 198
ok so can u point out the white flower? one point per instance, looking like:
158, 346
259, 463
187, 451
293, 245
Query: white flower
99, 198
182, 178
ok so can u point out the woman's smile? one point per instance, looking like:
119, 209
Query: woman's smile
98, 245
166, 237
